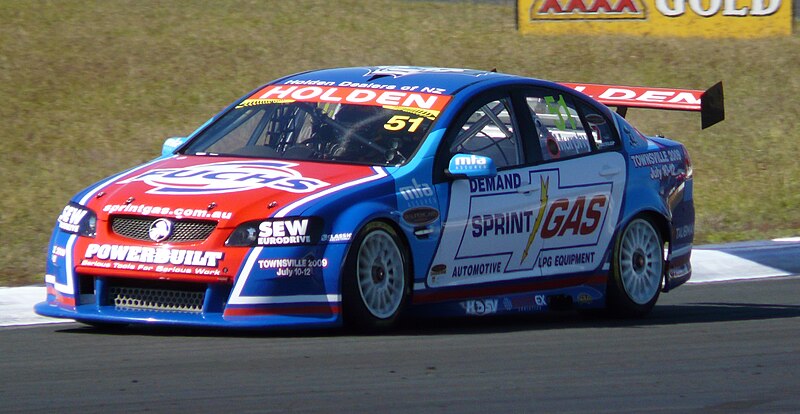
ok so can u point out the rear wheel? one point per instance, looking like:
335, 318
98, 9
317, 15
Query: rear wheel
637, 269
376, 286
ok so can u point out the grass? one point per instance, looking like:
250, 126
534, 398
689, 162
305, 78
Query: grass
88, 88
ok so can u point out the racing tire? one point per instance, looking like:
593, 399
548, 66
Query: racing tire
637, 270
376, 284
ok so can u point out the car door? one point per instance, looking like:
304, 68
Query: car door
487, 234
582, 176
552, 206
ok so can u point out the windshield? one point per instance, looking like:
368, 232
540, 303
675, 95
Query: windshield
306, 125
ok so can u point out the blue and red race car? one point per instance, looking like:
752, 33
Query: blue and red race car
357, 195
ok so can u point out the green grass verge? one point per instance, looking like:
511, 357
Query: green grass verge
88, 88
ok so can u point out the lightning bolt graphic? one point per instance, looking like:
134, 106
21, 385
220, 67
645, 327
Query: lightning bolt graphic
543, 203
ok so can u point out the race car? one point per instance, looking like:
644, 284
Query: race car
359, 195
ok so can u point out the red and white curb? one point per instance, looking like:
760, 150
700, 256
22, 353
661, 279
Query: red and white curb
735, 261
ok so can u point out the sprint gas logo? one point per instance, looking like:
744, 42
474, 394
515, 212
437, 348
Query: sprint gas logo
227, 177
559, 218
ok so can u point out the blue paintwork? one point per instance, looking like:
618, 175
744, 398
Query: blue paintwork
408, 186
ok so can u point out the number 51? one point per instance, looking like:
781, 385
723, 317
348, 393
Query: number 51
400, 122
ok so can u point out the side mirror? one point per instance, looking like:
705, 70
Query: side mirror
471, 166
171, 144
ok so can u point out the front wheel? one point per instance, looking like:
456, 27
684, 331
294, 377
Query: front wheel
637, 270
376, 286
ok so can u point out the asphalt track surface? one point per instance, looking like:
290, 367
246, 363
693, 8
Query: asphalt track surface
710, 348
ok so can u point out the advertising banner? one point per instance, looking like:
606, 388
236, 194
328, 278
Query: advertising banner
684, 18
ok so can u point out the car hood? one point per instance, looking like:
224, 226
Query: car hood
227, 190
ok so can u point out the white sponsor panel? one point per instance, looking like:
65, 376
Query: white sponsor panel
499, 231
558, 218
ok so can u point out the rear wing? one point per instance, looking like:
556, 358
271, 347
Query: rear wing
710, 103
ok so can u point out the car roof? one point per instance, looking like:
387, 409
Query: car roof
422, 79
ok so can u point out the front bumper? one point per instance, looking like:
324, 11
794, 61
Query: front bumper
93, 314
268, 292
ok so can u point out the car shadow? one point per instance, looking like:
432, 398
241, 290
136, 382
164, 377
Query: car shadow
683, 314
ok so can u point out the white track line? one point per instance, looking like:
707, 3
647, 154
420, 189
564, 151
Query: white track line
716, 266
16, 306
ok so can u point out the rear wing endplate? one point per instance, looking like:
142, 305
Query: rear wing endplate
710, 103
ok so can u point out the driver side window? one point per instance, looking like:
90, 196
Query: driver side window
490, 131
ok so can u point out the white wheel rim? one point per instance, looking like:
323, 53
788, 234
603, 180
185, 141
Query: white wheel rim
640, 262
381, 279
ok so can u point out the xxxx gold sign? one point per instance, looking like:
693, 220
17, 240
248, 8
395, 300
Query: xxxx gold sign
587, 9
696, 18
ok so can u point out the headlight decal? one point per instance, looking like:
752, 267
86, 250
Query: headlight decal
77, 219
287, 231
290, 231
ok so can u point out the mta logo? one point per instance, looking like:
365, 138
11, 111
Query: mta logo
416, 190
470, 160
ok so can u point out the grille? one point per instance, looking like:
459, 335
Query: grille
182, 230
156, 299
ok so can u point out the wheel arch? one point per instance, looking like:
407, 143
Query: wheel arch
348, 265
406, 244
662, 224
664, 227
389, 222
618, 299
